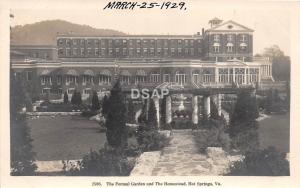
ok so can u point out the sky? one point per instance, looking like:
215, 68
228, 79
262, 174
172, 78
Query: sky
271, 21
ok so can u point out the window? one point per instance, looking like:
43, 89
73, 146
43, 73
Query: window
192, 51
60, 51
172, 51
87, 79
243, 38
154, 77
131, 52
158, 51
229, 47
58, 79
87, 91
28, 75
45, 90
216, 37
140, 79
82, 51
70, 91
229, 38
192, 42
60, 42
82, 42
97, 52
74, 51
166, 52
216, 49
124, 51
46, 80
104, 79
68, 52
74, 42
180, 78
70, 79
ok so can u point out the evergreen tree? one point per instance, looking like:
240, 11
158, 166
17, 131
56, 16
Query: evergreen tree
243, 126
105, 105
163, 111
116, 133
76, 98
22, 156
152, 118
130, 112
66, 98
73, 98
95, 102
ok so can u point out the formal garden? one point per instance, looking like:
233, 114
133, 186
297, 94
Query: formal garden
125, 141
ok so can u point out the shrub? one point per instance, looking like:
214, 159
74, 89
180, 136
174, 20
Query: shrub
267, 162
106, 162
246, 140
214, 136
150, 139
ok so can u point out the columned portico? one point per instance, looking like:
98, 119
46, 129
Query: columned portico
168, 109
195, 109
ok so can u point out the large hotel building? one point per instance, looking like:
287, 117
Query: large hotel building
216, 57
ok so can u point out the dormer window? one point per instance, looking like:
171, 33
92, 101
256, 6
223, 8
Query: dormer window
216, 37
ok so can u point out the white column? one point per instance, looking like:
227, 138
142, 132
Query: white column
219, 104
156, 103
168, 109
233, 75
216, 75
195, 109
207, 106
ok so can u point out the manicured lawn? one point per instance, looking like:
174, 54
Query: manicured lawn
58, 138
275, 131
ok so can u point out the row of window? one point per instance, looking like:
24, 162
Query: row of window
129, 52
130, 42
231, 37
230, 47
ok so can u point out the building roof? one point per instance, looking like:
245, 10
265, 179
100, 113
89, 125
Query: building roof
131, 36
236, 26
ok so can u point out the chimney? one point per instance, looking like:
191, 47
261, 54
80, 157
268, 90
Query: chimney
202, 31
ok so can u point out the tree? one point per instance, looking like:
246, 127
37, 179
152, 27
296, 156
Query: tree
76, 98
163, 111
105, 105
245, 108
22, 156
95, 102
152, 117
66, 98
116, 133
243, 125
281, 63
130, 112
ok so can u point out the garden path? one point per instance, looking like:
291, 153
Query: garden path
182, 158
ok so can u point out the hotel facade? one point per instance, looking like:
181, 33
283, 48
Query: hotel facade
221, 56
